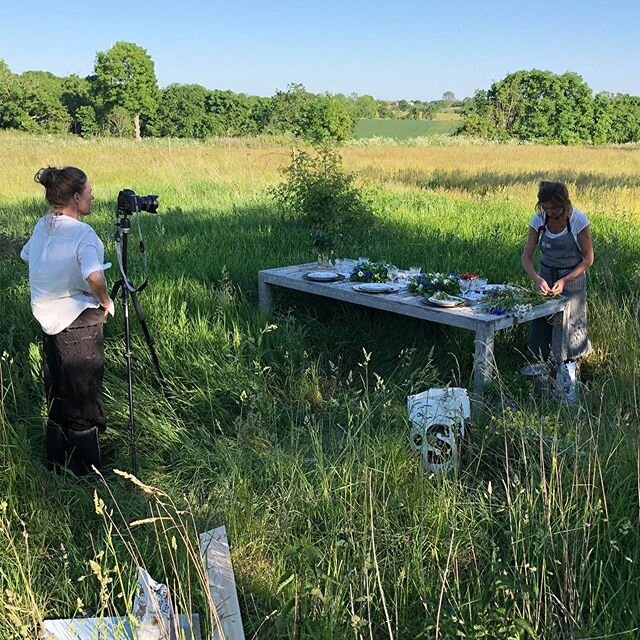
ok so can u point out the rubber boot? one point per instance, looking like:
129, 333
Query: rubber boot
84, 450
56, 447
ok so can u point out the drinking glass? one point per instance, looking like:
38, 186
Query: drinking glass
481, 283
392, 272
465, 285
414, 271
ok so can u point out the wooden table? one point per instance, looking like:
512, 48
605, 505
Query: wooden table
404, 303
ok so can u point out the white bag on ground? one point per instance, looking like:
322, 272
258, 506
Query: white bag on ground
566, 381
438, 425
152, 609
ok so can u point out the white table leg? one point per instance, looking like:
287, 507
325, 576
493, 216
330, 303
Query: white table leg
484, 364
265, 297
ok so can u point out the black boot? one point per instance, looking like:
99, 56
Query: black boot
56, 447
84, 450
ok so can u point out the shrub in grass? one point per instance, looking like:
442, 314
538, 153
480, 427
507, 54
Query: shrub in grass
318, 192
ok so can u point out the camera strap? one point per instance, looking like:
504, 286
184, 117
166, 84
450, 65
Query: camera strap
125, 280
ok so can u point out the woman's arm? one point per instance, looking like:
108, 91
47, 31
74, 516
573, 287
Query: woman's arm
98, 284
586, 247
527, 261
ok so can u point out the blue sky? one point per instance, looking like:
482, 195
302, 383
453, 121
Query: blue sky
405, 49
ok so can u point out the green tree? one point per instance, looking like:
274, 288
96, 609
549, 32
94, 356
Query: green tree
448, 96
602, 117
533, 105
76, 93
625, 118
41, 107
364, 107
385, 110
117, 122
261, 112
182, 113
289, 110
86, 122
125, 78
327, 119
10, 97
232, 112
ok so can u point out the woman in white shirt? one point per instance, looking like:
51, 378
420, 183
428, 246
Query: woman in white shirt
563, 235
69, 299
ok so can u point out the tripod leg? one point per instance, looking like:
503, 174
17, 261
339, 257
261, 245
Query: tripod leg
147, 336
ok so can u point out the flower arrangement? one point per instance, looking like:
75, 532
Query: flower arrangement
509, 300
370, 272
427, 284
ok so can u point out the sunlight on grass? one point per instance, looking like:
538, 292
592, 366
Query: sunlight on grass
292, 430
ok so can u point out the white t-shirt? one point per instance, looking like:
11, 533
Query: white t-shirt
61, 253
578, 222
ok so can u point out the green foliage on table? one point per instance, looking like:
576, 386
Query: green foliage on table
510, 300
370, 272
426, 284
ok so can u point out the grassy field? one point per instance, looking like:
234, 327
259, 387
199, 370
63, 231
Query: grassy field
291, 429
403, 129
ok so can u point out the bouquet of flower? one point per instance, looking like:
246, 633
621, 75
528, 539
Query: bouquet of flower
509, 300
426, 284
369, 272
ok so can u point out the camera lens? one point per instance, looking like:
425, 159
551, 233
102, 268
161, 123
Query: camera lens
148, 203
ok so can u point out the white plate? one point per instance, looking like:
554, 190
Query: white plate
451, 301
323, 276
374, 287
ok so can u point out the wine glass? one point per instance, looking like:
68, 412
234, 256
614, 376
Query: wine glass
392, 272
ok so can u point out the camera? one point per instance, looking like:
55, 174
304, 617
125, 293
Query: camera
129, 202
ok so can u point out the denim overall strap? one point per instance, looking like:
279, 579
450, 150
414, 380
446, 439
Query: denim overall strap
560, 256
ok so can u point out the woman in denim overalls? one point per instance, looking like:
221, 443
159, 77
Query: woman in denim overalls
564, 237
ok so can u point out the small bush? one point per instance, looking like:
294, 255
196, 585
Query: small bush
318, 192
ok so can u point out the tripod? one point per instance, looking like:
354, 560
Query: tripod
123, 226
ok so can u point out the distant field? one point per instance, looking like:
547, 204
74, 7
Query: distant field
403, 129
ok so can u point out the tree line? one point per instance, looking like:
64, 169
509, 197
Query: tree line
540, 106
122, 98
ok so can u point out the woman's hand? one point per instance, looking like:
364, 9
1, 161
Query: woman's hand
558, 287
108, 307
542, 285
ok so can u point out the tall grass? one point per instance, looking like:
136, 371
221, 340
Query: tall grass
292, 430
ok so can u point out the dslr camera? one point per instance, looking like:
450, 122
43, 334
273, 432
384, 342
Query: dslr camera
129, 202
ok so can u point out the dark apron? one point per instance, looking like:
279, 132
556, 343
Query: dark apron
73, 371
560, 256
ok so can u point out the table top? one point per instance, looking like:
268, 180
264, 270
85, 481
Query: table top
400, 301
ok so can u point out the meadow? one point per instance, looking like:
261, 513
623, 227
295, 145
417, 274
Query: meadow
291, 429
402, 129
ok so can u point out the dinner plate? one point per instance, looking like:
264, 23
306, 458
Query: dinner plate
451, 301
323, 276
375, 287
